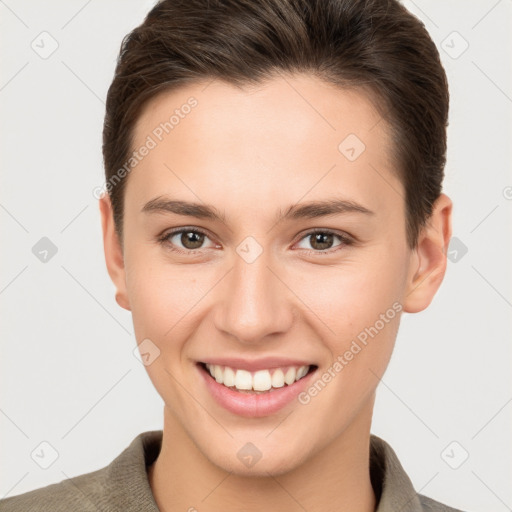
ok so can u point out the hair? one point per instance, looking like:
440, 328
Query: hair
373, 45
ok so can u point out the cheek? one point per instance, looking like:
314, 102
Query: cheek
361, 309
162, 305
358, 308
165, 299
159, 300
353, 294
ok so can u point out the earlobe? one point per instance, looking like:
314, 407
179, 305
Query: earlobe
429, 266
121, 299
113, 250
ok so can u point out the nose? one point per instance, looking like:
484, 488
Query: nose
255, 301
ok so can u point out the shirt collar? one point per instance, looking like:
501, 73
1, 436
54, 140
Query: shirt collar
127, 477
393, 488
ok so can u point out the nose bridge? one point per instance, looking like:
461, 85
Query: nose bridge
254, 303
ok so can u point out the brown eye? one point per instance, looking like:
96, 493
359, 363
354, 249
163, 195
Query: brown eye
191, 239
184, 240
323, 240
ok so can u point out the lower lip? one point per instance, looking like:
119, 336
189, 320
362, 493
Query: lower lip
254, 405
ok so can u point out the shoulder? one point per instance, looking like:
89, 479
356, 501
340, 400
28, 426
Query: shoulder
392, 485
122, 486
430, 505
79, 493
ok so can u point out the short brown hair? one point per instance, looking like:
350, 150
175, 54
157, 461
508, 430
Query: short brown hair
376, 45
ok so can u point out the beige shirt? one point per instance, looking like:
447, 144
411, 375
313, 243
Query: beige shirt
123, 485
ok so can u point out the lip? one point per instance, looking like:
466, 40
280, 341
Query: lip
253, 405
265, 363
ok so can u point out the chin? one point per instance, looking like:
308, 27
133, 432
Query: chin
274, 465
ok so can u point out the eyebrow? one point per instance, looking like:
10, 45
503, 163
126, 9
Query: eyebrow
307, 210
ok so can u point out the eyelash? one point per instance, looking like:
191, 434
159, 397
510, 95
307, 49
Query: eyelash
164, 240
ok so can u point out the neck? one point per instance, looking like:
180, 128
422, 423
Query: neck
336, 478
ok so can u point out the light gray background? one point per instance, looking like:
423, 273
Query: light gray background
68, 373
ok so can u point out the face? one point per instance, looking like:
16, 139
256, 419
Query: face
256, 275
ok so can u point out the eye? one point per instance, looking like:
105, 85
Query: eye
189, 238
322, 240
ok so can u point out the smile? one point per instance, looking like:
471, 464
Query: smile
259, 381
255, 392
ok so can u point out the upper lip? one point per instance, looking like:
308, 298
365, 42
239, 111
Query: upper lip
265, 363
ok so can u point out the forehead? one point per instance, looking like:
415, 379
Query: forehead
288, 137
307, 107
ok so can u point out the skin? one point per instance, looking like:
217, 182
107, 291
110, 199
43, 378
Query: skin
252, 153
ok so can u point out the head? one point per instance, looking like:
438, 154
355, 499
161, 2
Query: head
311, 137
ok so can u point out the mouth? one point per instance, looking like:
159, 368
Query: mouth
258, 382
254, 394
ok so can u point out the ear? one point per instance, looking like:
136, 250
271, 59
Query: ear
428, 264
113, 252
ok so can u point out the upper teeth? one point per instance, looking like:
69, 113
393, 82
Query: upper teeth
262, 380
